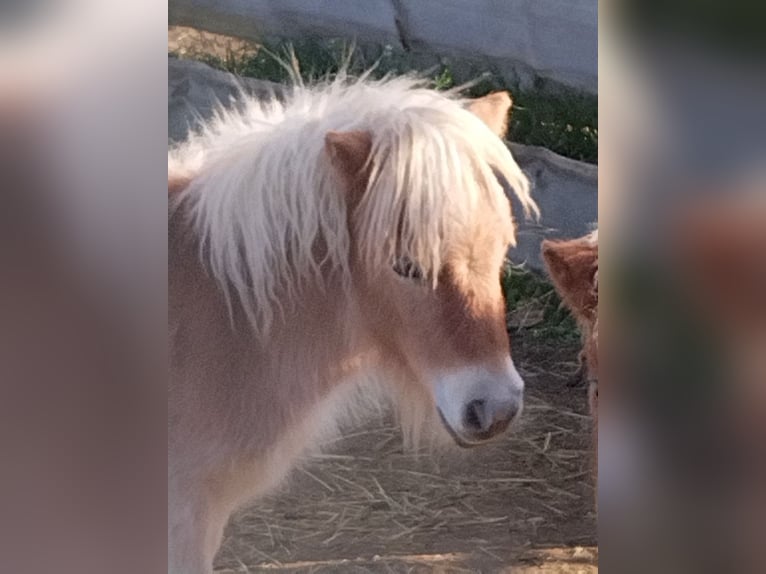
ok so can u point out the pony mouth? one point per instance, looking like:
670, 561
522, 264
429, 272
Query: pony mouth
462, 442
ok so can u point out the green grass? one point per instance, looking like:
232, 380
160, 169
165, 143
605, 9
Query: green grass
526, 290
564, 121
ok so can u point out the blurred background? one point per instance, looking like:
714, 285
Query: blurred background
83, 88
683, 209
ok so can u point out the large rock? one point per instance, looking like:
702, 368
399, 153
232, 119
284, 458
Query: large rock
521, 39
194, 90
566, 190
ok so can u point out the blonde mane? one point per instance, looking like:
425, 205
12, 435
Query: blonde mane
263, 191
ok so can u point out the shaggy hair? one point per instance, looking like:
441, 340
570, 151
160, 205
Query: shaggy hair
262, 190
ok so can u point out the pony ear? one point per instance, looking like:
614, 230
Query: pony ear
348, 152
493, 110
572, 266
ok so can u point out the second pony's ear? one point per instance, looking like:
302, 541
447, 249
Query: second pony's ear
572, 266
493, 110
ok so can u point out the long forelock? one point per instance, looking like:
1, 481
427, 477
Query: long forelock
433, 172
263, 191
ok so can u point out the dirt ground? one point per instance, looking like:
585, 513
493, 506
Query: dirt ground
524, 503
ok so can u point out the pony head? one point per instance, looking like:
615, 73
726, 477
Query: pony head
389, 198
429, 227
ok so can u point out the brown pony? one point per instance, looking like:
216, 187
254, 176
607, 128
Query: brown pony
337, 248
573, 268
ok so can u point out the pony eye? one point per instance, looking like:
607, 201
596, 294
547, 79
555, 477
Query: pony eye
405, 267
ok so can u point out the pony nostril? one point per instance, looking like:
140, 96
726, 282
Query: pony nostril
475, 417
484, 418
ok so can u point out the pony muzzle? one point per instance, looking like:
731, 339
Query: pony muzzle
476, 404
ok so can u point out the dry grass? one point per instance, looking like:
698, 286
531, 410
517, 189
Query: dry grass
577, 560
365, 505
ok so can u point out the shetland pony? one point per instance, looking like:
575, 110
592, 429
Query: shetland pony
573, 268
343, 243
